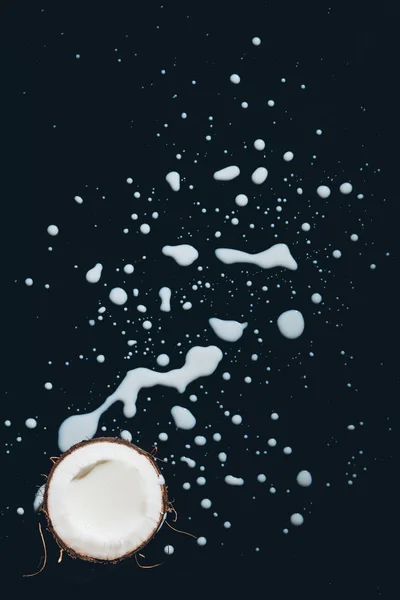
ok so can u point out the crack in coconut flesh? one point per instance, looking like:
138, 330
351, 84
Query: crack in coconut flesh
104, 500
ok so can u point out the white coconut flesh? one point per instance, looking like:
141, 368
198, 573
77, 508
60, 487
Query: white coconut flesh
105, 500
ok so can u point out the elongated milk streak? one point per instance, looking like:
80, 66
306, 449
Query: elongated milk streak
277, 256
200, 362
227, 173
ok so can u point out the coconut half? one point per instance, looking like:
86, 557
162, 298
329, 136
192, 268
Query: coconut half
104, 500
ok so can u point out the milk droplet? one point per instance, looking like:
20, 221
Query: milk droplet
183, 254
100, 358
237, 419
201, 541
169, 549
48, 385
304, 478
271, 103
183, 418
163, 437
78, 199
323, 191
28, 281
227, 174
118, 296
52, 230
200, 440
354, 237
206, 503
241, 200
336, 254
163, 360
165, 296
31, 423
222, 456
235, 78
277, 256
272, 442
291, 324
261, 478
256, 41
227, 525
288, 156
174, 180
145, 228
230, 331
316, 298
231, 480
94, 274
259, 175
346, 188
126, 435
187, 305
259, 144
306, 226
20, 510
297, 519
147, 325
201, 481
287, 450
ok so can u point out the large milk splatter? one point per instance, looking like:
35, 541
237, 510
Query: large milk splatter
266, 228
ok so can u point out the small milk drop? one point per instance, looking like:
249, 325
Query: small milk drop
28, 281
145, 228
118, 296
163, 360
288, 156
297, 519
52, 230
256, 41
316, 298
31, 423
241, 200
169, 549
323, 191
235, 78
259, 144
346, 188
201, 541
304, 478
336, 254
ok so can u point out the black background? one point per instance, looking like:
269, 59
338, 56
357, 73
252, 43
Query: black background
106, 115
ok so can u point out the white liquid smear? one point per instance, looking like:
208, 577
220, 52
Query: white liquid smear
94, 274
118, 296
200, 361
230, 331
165, 296
231, 480
227, 173
277, 256
38, 500
183, 418
174, 180
304, 478
183, 254
259, 175
291, 324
